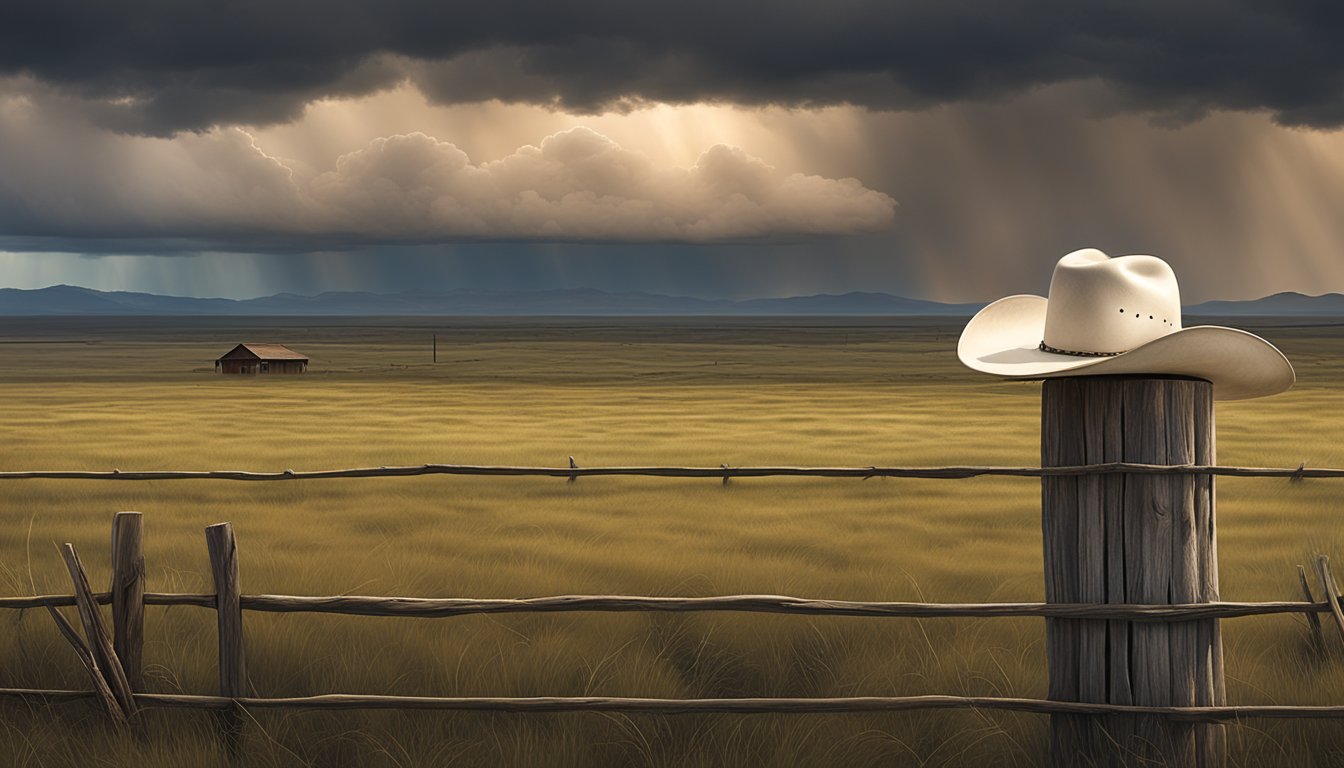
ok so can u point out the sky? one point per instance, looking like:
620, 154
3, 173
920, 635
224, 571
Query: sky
945, 149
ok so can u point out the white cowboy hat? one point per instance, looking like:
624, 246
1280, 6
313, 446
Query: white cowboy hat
1110, 316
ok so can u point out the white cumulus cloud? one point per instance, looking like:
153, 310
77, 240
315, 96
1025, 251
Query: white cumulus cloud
67, 179
579, 184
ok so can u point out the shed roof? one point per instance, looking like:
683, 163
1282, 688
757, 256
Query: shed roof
264, 352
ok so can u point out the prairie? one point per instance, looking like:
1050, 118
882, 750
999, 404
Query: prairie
141, 394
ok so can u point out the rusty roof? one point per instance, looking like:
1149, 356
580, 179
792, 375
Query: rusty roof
267, 352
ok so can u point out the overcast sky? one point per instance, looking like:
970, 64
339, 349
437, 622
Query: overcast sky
935, 149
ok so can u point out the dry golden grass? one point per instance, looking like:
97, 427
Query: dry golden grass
140, 395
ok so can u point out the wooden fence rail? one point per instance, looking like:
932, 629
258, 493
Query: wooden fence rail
427, 607
820, 705
719, 472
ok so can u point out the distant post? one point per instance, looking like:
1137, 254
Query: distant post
436, 347
1128, 538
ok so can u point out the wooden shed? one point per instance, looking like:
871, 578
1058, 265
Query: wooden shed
261, 358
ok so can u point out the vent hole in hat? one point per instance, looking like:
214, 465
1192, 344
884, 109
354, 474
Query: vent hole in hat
1122, 309
1150, 317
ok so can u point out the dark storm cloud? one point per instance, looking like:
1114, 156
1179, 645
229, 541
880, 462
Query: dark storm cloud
159, 66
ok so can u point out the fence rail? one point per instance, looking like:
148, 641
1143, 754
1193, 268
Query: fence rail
849, 704
720, 472
429, 607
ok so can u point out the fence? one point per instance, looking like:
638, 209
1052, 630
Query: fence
113, 659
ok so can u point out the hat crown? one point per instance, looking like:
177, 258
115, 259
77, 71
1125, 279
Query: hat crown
1105, 305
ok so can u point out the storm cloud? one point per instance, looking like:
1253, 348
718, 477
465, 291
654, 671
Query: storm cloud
162, 66
358, 143
64, 180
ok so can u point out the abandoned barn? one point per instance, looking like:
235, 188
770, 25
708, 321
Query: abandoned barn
261, 358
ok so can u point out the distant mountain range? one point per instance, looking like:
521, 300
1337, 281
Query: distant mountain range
73, 300
1276, 305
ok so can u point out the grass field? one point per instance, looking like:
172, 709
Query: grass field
141, 394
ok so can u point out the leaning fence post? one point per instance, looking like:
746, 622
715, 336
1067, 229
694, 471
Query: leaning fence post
228, 610
128, 595
100, 645
1131, 538
1318, 639
1331, 591
101, 689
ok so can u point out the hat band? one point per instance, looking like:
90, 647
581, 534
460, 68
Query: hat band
1047, 348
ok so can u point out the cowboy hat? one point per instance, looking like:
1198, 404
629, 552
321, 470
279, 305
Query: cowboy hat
1111, 316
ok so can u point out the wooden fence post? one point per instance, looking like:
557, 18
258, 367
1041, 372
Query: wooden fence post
1331, 591
1313, 621
1129, 538
84, 652
100, 648
128, 595
228, 610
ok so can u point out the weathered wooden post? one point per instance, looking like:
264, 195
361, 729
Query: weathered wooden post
1124, 381
100, 650
1127, 538
229, 613
128, 595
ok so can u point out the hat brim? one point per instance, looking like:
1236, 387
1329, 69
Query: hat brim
1003, 339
